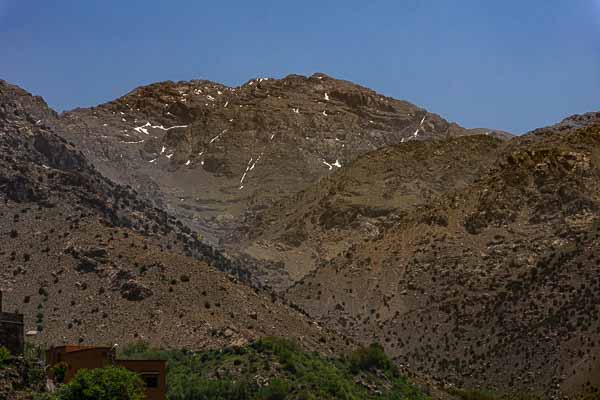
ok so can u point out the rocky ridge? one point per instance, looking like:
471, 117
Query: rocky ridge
211, 154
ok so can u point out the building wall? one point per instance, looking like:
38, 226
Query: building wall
78, 358
11, 332
145, 368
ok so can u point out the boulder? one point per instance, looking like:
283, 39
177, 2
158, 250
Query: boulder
133, 290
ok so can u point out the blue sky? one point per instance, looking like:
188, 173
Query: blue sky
513, 65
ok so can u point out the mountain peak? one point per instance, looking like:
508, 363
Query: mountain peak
222, 149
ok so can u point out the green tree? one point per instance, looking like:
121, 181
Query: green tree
109, 383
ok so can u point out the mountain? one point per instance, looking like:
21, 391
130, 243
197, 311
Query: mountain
211, 154
90, 261
473, 260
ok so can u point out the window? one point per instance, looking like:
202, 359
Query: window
150, 379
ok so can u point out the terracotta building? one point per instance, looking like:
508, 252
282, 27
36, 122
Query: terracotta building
11, 331
152, 372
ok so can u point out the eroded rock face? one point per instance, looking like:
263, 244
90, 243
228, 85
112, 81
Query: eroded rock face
56, 153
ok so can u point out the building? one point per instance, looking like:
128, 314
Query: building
11, 331
152, 372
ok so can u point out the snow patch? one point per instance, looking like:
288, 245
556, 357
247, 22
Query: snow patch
326, 97
420, 126
168, 129
144, 128
249, 167
217, 137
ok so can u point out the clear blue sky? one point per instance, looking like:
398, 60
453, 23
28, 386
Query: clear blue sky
512, 64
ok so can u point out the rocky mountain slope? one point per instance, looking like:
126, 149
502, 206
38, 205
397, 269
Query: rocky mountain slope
473, 260
211, 154
89, 261
357, 203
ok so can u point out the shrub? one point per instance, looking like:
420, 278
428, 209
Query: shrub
103, 384
370, 358
59, 371
4, 356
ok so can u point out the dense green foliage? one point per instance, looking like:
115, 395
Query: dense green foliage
278, 369
109, 383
